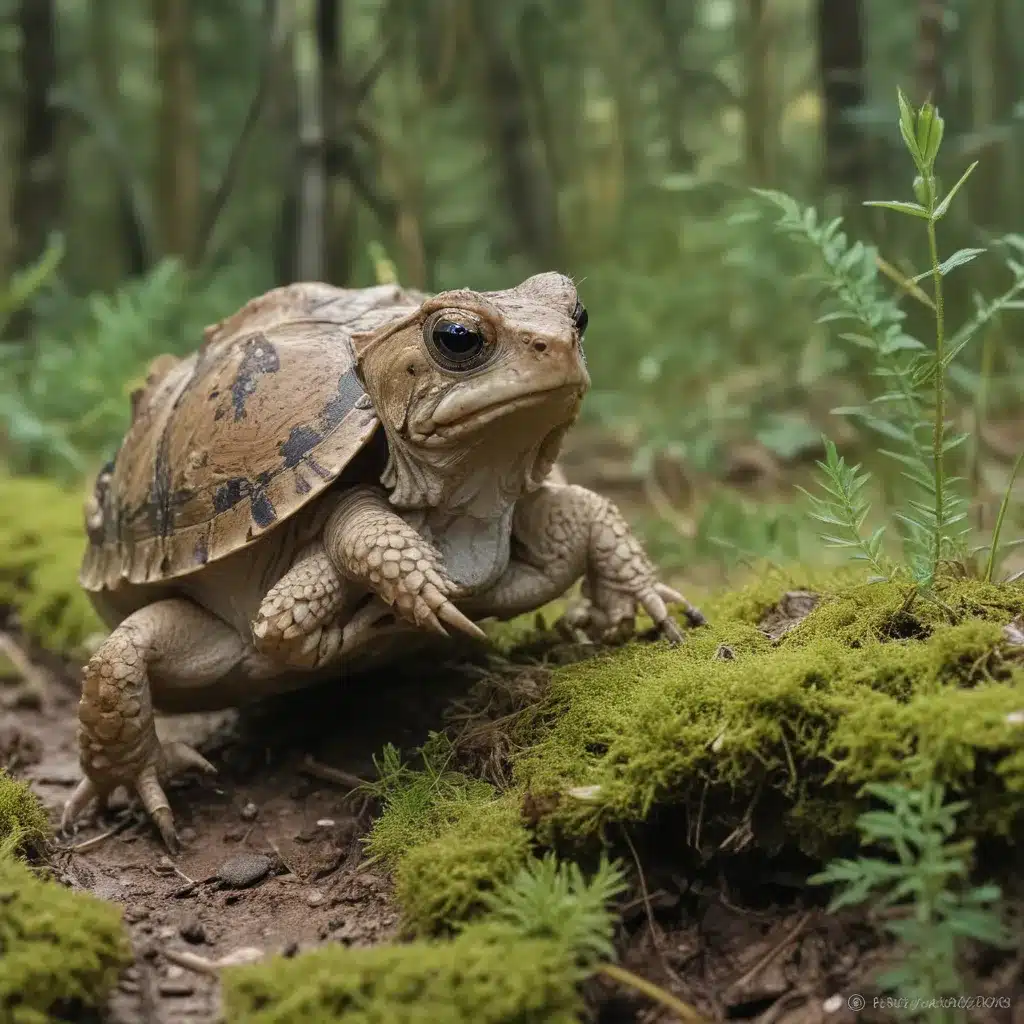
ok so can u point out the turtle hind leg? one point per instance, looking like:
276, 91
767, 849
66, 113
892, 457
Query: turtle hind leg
181, 645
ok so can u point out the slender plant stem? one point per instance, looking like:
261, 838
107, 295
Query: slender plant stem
1003, 506
939, 434
684, 1011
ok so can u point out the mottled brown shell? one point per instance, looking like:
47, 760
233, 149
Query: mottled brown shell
230, 441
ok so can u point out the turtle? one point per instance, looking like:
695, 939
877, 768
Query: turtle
330, 471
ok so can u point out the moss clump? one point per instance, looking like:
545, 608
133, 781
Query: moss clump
482, 977
23, 823
447, 837
60, 951
42, 538
862, 690
440, 882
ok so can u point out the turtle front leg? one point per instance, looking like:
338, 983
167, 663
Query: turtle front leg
369, 542
299, 622
565, 532
118, 744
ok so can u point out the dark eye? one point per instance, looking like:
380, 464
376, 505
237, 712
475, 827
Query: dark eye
580, 319
456, 346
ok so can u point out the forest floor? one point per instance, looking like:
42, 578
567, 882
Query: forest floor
272, 861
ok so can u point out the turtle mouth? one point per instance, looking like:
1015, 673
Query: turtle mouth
498, 405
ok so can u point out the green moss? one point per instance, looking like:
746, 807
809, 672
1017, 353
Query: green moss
60, 951
448, 838
857, 692
42, 539
23, 822
482, 977
441, 881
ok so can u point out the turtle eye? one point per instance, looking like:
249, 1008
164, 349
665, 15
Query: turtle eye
580, 319
455, 345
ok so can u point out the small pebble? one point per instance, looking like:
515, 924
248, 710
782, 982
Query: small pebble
244, 869
249, 812
290, 950
167, 933
175, 971
245, 955
326, 823
315, 898
234, 835
193, 931
187, 835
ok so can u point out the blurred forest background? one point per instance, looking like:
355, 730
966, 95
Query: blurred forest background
162, 162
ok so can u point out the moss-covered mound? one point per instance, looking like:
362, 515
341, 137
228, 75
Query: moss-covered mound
478, 978
864, 689
763, 727
60, 951
23, 822
42, 538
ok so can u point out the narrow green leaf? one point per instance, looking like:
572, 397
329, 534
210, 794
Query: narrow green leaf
912, 209
943, 207
958, 259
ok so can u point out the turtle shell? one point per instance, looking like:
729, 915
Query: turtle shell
227, 443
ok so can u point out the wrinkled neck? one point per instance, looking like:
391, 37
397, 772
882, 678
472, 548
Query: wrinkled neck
481, 478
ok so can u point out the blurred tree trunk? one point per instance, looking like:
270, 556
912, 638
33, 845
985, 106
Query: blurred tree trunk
309, 237
930, 79
674, 22
841, 64
340, 212
994, 196
528, 188
756, 100
37, 186
178, 145
134, 255
38, 180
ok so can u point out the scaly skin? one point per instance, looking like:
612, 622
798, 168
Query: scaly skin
565, 532
118, 744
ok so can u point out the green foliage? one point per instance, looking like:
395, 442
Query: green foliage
913, 411
24, 826
42, 539
551, 899
844, 509
61, 951
925, 875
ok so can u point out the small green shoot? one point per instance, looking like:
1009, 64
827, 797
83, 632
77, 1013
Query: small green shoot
845, 509
925, 877
551, 899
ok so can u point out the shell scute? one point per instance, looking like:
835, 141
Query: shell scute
227, 443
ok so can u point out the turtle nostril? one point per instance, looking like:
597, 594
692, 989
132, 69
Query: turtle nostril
540, 346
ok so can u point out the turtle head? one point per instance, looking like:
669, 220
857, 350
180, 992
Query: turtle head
479, 381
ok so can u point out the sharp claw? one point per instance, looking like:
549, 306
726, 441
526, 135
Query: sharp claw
672, 632
455, 618
181, 756
155, 801
77, 802
694, 616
